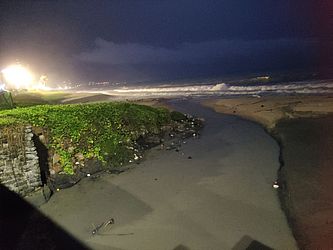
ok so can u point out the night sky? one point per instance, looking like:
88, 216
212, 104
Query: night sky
161, 40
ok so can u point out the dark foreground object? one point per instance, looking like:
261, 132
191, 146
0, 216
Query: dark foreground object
247, 243
306, 179
24, 227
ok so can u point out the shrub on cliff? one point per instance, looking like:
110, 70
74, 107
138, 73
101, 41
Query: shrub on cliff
103, 131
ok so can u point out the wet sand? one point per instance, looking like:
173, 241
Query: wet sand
307, 179
220, 198
271, 109
304, 127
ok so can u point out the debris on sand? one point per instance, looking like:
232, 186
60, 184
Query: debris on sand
104, 225
275, 185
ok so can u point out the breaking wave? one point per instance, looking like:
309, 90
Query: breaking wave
225, 89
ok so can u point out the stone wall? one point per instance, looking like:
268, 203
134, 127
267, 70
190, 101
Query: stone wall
19, 166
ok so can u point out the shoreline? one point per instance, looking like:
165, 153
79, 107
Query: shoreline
187, 197
218, 185
287, 119
305, 179
269, 110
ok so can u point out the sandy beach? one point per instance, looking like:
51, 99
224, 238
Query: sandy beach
166, 125
271, 109
303, 126
214, 193
307, 179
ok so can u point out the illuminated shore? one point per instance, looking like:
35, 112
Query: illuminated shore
214, 192
303, 126
249, 162
268, 110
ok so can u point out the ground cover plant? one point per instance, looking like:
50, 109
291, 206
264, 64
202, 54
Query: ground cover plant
103, 131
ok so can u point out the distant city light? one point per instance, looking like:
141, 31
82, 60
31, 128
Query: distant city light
17, 77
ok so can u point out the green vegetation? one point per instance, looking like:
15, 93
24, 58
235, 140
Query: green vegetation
103, 131
27, 98
177, 116
6, 101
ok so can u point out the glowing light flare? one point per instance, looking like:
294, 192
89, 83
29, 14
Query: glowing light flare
18, 77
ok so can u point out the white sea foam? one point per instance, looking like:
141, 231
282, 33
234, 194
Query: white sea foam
220, 89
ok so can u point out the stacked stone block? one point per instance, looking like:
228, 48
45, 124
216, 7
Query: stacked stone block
19, 166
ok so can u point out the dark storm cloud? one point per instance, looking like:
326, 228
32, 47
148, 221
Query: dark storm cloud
107, 52
147, 37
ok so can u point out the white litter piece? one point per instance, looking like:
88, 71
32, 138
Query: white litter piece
275, 185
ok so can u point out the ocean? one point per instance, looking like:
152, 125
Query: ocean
249, 87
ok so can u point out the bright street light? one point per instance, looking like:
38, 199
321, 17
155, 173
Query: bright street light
17, 77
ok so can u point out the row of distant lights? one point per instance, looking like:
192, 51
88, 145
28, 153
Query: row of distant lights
18, 77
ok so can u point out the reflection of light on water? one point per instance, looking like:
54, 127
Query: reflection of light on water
178, 89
